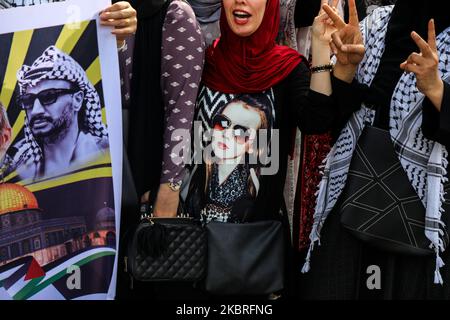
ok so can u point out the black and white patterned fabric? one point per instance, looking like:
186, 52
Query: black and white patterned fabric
423, 160
54, 64
223, 195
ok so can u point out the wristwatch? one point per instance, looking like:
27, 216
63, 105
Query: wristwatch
174, 186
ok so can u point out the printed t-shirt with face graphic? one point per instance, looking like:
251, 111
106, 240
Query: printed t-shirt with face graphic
232, 126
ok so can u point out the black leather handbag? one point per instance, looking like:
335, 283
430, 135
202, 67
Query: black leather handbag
378, 204
167, 249
245, 258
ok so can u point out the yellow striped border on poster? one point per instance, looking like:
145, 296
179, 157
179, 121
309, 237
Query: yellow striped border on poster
88, 167
72, 178
19, 48
70, 35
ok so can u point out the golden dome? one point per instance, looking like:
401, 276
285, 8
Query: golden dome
14, 197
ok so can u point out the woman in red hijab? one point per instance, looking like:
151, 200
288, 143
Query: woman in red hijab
253, 93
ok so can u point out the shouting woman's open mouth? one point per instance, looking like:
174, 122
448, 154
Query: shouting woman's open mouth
241, 17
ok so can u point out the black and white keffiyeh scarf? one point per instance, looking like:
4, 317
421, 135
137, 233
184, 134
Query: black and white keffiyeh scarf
54, 64
424, 160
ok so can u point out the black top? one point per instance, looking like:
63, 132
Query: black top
435, 124
145, 148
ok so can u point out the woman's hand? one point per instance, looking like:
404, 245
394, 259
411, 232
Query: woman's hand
425, 66
322, 29
166, 204
347, 42
122, 17
323, 26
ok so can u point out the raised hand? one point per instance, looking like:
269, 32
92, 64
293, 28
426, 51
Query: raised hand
323, 27
347, 42
425, 66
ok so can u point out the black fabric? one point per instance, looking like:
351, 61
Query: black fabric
435, 124
145, 144
339, 269
305, 12
245, 258
379, 205
146, 134
147, 8
348, 96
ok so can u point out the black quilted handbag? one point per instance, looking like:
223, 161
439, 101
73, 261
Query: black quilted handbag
379, 205
167, 249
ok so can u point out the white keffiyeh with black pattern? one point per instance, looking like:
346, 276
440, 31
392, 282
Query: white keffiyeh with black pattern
424, 160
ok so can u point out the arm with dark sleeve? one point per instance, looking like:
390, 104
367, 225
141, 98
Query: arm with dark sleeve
315, 112
347, 98
181, 69
435, 124
311, 111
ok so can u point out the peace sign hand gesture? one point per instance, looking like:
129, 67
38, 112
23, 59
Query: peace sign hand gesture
425, 66
323, 27
347, 42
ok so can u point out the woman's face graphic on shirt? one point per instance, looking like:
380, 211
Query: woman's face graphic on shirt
244, 16
234, 130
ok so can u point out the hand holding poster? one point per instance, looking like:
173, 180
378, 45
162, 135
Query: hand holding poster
60, 152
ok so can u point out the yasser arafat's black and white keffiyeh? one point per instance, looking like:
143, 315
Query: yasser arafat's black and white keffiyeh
54, 64
424, 160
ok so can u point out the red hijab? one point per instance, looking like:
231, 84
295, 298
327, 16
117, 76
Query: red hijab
250, 64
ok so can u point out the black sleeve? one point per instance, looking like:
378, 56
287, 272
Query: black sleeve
435, 124
311, 111
347, 98
305, 12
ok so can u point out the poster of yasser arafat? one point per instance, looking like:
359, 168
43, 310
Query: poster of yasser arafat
60, 154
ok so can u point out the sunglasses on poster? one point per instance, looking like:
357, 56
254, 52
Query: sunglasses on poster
221, 123
45, 97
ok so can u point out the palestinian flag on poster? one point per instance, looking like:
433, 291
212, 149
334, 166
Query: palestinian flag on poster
64, 279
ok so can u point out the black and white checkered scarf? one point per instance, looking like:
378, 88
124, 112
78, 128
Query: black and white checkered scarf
424, 160
54, 64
